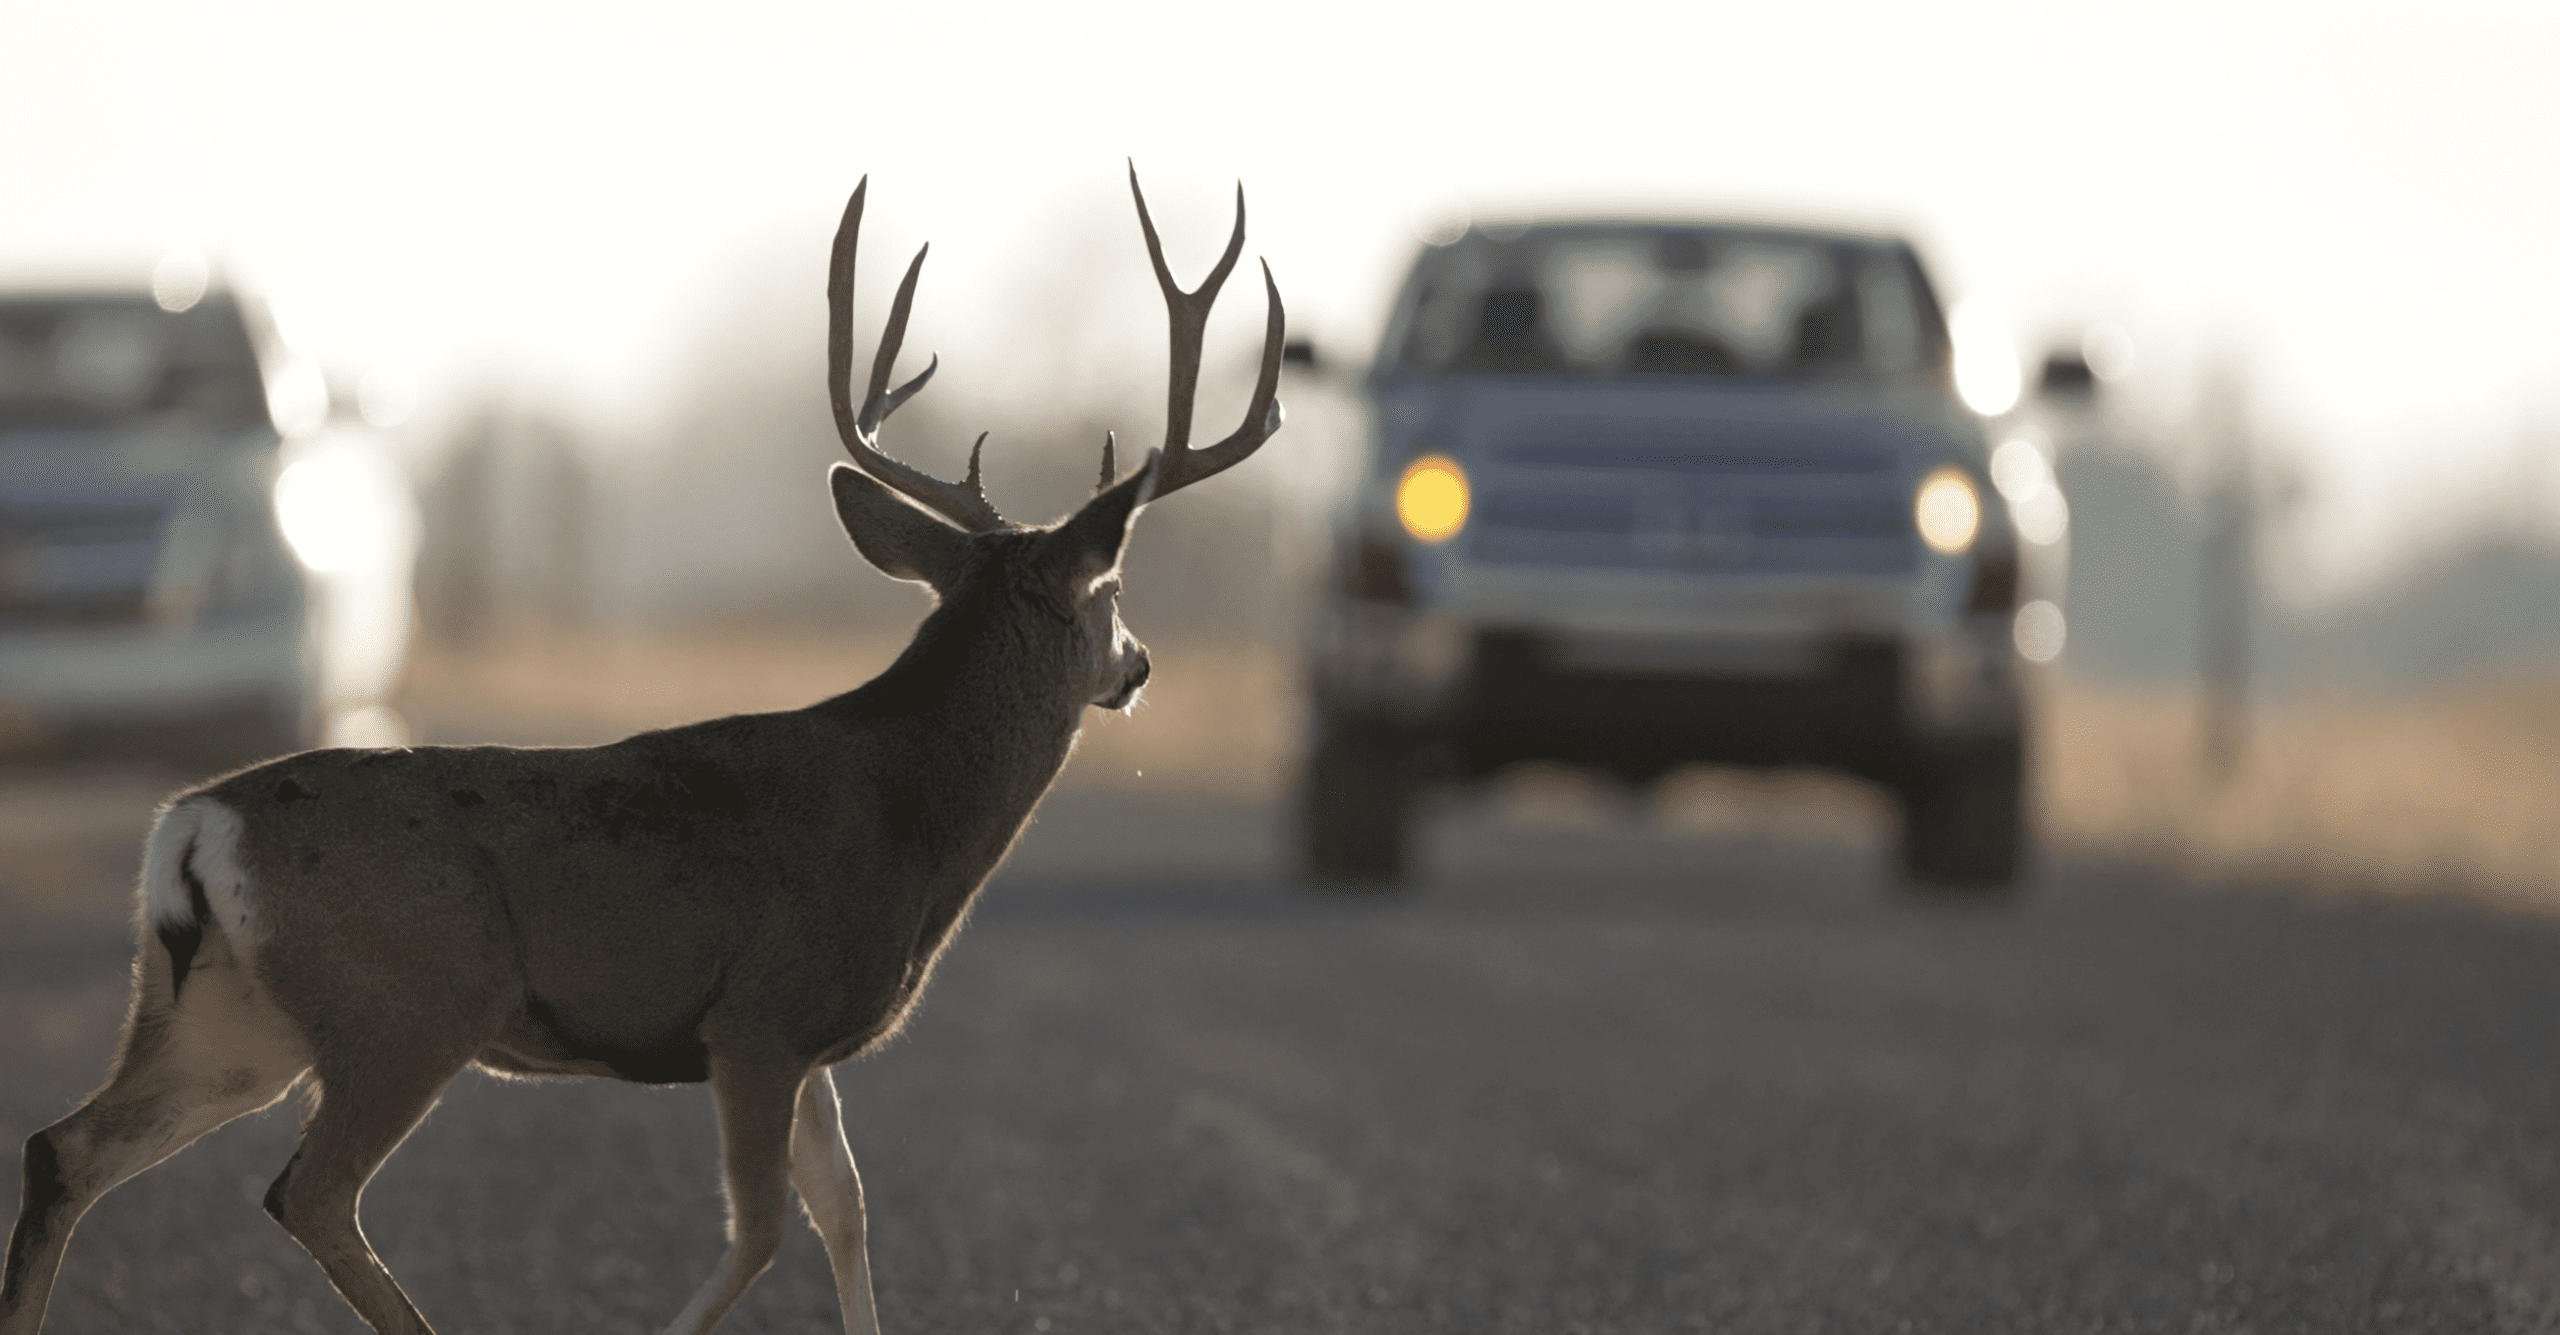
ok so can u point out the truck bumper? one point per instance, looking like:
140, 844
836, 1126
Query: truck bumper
1641, 703
138, 675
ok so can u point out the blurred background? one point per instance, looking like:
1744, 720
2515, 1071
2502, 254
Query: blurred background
2276, 285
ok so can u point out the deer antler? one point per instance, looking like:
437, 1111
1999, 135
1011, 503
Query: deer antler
1188, 313
964, 503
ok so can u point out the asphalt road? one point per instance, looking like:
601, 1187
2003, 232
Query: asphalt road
1591, 1078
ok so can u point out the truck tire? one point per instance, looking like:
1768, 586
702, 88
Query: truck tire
1355, 810
1964, 818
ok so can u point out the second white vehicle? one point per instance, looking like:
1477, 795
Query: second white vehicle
189, 547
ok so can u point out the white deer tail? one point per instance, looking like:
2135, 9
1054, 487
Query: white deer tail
192, 879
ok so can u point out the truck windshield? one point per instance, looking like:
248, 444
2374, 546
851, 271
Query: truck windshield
94, 362
1605, 301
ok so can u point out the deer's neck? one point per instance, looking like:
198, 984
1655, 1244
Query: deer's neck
967, 730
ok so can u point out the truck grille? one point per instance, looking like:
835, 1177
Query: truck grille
67, 564
1747, 498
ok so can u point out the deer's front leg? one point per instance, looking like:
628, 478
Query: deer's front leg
831, 1191
755, 1097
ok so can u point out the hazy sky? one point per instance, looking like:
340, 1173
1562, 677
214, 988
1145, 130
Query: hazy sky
2358, 206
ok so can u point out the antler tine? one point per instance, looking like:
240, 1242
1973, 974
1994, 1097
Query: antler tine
879, 401
965, 503
1188, 313
1262, 417
840, 313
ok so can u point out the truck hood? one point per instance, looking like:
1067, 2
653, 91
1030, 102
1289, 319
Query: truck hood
1677, 426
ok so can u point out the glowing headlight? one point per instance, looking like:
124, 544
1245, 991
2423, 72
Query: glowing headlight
1948, 510
1431, 498
341, 511
1986, 362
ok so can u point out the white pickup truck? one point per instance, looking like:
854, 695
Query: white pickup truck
193, 554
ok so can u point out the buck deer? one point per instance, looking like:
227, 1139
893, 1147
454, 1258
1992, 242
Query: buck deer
747, 901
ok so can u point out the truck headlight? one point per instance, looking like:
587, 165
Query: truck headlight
1949, 511
1431, 498
345, 511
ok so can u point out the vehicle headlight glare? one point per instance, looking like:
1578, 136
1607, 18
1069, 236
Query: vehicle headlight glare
1986, 362
1948, 510
1431, 498
312, 508
342, 511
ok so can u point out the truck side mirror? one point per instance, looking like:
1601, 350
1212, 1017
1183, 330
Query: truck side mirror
2067, 375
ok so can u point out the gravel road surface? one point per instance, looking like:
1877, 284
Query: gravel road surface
1590, 1078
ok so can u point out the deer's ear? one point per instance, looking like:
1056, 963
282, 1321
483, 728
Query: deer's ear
903, 539
1089, 544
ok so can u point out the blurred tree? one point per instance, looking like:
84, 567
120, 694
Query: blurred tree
508, 528
2135, 574
456, 597
2229, 570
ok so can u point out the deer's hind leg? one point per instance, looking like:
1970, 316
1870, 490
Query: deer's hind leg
366, 1109
190, 1062
379, 1066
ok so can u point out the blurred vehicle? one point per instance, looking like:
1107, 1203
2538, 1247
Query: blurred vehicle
1647, 494
191, 553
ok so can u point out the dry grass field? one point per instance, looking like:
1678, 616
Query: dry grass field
2455, 790
1215, 720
